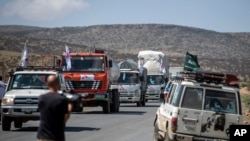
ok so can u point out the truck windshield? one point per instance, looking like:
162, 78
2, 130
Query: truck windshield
128, 78
155, 79
87, 63
29, 81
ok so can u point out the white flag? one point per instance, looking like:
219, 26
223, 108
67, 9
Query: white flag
24, 59
162, 67
67, 57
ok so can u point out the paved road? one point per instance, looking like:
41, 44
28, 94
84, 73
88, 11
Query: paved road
131, 123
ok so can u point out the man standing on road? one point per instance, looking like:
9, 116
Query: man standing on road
2, 92
54, 112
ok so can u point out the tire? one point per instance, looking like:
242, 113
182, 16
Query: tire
77, 106
118, 102
115, 101
143, 100
18, 124
6, 123
156, 136
106, 107
138, 104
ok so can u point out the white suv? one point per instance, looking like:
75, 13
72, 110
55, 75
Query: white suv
20, 103
197, 110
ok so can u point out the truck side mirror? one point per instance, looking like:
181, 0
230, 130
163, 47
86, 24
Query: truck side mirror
10, 72
58, 63
110, 64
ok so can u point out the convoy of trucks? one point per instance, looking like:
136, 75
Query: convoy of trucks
94, 76
132, 83
156, 64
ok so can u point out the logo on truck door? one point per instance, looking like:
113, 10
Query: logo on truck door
87, 77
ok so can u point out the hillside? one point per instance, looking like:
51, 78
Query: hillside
227, 52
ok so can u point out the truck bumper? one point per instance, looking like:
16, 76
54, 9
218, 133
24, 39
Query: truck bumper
183, 137
20, 111
94, 97
129, 99
152, 96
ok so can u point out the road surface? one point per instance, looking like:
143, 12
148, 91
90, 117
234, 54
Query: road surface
131, 123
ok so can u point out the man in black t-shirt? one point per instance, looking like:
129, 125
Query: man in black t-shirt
54, 112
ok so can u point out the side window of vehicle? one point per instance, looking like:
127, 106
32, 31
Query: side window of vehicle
170, 95
177, 95
192, 98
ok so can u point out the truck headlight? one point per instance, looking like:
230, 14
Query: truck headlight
7, 101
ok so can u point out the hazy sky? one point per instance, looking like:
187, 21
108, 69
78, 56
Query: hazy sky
218, 15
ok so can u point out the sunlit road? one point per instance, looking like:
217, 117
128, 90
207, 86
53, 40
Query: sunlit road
131, 123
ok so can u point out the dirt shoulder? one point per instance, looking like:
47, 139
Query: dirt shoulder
245, 96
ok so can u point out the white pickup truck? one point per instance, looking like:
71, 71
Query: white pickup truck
20, 102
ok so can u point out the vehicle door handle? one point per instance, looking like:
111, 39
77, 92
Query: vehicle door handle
190, 119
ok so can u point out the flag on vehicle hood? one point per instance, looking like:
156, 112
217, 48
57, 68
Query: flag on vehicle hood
191, 62
24, 59
162, 67
67, 57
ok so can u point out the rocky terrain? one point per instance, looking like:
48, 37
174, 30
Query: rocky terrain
225, 52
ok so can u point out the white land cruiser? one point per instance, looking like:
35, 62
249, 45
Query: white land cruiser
198, 109
22, 92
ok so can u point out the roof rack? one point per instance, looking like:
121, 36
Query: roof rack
39, 68
211, 77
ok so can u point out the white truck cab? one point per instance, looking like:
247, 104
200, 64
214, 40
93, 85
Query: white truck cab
20, 102
156, 85
129, 86
199, 108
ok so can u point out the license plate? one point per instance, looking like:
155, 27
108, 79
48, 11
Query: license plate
29, 110
189, 126
100, 96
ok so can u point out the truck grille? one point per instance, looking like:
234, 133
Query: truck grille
25, 101
97, 84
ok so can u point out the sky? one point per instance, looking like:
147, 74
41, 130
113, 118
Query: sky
217, 15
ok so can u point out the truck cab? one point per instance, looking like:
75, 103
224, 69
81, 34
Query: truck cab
93, 75
156, 85
130, 87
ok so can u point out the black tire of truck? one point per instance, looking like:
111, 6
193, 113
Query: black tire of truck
18, 124
139, 103
115, 101
6, 123
106, 107
77, 106
143, 100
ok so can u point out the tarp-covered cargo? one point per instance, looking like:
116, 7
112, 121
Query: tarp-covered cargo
154, 61
128, 64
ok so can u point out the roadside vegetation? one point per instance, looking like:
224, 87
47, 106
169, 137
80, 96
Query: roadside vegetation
245, 96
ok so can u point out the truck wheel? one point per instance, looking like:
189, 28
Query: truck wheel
106, 107
18, 124
77, 106
139, 104
115, 101
143, 101
6, 123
